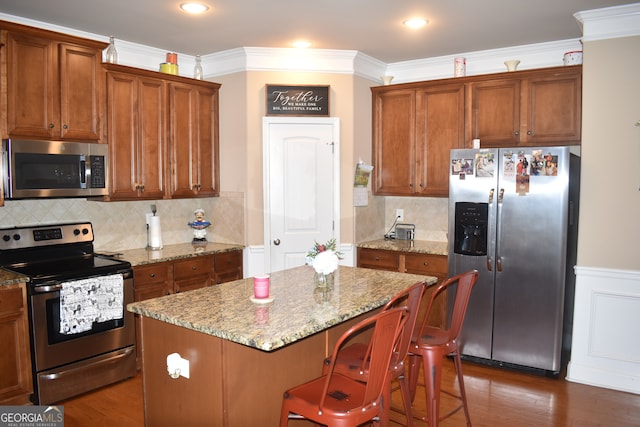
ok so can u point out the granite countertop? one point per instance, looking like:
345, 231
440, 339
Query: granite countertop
9, 277
172, 252
418, 246
298, 309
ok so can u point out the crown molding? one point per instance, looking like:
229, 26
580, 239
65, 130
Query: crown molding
610, 22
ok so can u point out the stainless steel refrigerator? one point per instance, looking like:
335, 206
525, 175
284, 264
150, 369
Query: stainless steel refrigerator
513, 216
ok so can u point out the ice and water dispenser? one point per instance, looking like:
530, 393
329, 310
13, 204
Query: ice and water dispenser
471, 221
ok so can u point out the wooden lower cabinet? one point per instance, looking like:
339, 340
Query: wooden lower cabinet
16, 385
169, 277
413, 263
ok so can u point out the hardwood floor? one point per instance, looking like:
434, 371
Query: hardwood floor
497, 398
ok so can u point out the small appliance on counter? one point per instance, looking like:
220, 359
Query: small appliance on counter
405, 231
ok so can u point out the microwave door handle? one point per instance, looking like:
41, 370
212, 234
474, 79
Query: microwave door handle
83, 172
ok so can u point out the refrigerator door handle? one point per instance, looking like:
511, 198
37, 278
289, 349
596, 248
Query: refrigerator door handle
491, 195
489, 266
499, 233
501, 196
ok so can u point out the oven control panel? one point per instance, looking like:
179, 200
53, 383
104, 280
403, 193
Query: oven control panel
45, 235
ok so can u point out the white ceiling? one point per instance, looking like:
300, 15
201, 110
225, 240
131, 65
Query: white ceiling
373, 27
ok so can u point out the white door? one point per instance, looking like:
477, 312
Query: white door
302, 181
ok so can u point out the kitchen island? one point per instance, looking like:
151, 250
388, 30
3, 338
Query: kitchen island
243, 355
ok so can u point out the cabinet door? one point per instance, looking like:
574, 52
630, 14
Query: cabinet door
193, 141
439, 128
81, 93
553, 105
32, 87
494, 112
227, 266
378, 259
394, 137
15, 364
193, 273
152, 280
136, 111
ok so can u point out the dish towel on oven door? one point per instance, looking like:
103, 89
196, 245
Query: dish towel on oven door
85, 301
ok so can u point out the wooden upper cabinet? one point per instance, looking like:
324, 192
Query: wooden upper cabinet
53, 88
394, 134
440, 128
136, 127
193, 140
413, 132
538, 108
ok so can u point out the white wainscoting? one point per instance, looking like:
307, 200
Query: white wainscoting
254, 262
606, 329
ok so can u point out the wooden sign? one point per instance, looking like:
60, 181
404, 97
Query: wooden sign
297, 100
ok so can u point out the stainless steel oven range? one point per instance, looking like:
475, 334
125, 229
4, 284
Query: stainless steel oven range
82, 336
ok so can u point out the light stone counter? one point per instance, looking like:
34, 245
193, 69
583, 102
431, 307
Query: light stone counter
417, 246
298, 310
173, 252
9, 277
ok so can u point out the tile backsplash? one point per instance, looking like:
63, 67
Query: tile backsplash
122, 225
429, 214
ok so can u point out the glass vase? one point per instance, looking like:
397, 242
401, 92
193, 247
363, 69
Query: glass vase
323, 280
198, 74
111, 55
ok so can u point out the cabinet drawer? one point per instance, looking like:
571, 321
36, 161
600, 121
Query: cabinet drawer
227, 261
433, 265
153, 273
11, 300
192, 267
383, 260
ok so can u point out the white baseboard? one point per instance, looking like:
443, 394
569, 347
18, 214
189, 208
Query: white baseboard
605, 346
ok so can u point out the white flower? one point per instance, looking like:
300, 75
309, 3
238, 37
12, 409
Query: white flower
325, 262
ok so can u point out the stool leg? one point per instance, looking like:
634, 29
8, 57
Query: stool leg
414, 368
406, 399
432, 367
463, 394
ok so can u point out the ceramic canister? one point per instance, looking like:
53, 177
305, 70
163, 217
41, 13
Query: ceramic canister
459, 67
172, 58
573, 58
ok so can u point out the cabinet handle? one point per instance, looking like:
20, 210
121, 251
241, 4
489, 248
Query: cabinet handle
50, 125
152, 275
377, 258
194, 267
425, 263
529, 132
517, 133
65, 126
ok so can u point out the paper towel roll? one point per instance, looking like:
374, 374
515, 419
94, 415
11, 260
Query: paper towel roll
155, 233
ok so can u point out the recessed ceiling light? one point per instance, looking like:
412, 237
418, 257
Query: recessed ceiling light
301, 44
193, 7
415, 22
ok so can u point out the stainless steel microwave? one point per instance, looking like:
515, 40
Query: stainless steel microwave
37, 169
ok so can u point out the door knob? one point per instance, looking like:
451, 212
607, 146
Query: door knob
276, 242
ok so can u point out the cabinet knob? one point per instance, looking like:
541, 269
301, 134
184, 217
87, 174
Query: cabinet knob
194, 267
65, 126
425, 263
152, 275
377, 258
529, 132
50, 125
517, 133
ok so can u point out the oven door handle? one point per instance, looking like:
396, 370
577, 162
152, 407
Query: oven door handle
121, 354
47, 288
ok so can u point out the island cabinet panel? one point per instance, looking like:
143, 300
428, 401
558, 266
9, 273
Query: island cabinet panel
224, 374
16, 384
193, 140
136, 109
54, 85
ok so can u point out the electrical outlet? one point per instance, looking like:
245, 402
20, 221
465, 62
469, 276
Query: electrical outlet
400, 215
